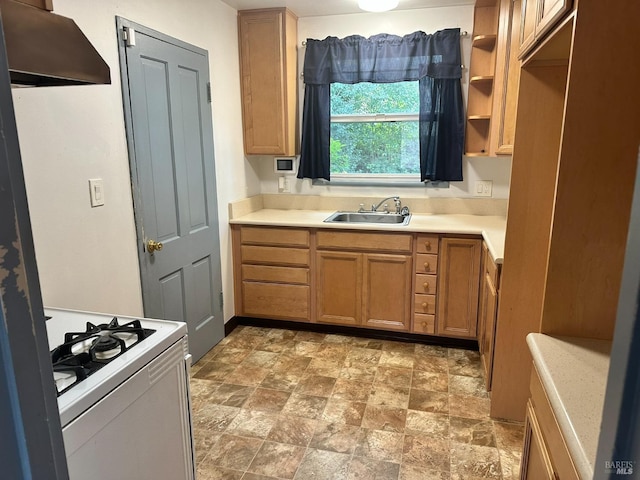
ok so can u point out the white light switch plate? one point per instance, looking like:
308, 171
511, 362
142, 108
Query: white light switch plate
483, 188
96, 190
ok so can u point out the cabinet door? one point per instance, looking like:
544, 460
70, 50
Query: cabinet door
549, 12
387, 291
339, 287
528, 25
536, 464
267, 102
458, 285
482, 308
507, 80
490, 306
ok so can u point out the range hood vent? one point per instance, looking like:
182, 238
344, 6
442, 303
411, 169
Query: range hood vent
45, 49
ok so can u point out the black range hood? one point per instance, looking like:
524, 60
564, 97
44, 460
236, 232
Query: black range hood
45, 49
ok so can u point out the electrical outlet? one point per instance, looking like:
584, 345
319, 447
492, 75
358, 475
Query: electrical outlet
483, 188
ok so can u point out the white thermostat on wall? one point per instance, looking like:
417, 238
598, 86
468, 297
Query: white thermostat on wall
285, 165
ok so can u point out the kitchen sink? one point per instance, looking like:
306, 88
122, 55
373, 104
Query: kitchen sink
369, 217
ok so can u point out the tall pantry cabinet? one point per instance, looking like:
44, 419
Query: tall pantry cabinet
574, 162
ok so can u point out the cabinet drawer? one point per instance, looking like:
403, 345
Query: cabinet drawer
427, 244
560, 457
364, 241
263, 273
274, 236
275, 255
426, 284
426, 263
424, 323
424, 304
275, 300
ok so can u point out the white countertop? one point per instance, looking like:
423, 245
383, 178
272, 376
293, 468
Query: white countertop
492, 228
574, 374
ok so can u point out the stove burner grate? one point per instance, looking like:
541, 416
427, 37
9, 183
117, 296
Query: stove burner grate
97, 345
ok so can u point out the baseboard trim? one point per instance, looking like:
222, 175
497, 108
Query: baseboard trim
230, 326
464, 343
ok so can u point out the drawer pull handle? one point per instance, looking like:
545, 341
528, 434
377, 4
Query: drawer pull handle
427, 245
424, 305
426, 285
425, 324
426, 266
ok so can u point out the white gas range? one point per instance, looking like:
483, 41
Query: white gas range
123, 395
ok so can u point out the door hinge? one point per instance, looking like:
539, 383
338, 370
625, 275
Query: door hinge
221, 301
129, 36
209, 92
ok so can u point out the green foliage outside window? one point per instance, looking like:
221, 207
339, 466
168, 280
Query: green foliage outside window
373, 145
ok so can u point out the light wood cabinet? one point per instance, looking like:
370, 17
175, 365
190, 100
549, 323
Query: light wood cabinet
481, 77
493, 78
535, 463
458, 287
568, 220
339, 288
545, 452
268, 70
271, 272
420, 283
425, 284
505, 97
487, 314
363, 288
549, 12
538, 17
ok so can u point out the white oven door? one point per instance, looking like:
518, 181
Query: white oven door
141, 430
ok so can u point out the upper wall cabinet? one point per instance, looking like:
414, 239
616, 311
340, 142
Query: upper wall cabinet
268, 71
493, 78
505, 96
538, 17
481, 77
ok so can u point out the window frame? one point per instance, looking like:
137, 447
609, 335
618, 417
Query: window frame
378, 179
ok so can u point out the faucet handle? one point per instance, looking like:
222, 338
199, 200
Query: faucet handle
386, 208
361, 209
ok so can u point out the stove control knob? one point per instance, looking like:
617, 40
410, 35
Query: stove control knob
153, 246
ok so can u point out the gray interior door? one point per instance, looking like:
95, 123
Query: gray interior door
165, 85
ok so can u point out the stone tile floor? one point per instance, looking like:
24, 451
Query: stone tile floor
274, 403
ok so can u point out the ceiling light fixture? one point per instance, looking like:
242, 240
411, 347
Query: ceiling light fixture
377, 5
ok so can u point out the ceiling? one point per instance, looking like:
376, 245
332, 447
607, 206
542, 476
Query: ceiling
311, 8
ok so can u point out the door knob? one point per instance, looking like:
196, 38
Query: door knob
153, 246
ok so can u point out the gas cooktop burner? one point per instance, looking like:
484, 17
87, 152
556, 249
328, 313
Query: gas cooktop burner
83, 353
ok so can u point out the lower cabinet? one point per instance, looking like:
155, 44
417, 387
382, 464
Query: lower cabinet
271, 272
458, 287
368, 289
545, 454
419, 283
339, 288
488, 313
536, 464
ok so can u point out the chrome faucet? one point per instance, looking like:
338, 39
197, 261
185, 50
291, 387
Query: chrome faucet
396, 199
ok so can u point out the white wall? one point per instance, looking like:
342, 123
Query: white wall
399, 23
87, 257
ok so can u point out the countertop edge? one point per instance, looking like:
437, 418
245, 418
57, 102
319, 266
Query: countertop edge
583, 464
315, 219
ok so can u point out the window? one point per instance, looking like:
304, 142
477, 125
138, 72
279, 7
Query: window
374, 131
392, 97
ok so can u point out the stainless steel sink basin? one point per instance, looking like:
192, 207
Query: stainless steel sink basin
369, 217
